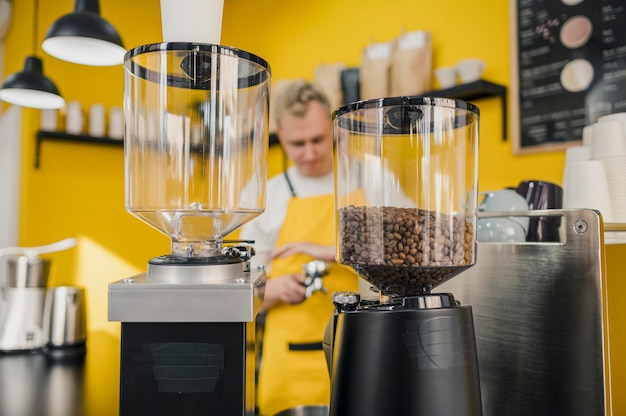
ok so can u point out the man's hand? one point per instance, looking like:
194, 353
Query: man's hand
317, 251
287, 289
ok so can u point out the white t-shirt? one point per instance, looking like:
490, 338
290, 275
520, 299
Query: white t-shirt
264, 229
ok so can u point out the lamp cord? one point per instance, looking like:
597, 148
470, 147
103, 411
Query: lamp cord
35, 28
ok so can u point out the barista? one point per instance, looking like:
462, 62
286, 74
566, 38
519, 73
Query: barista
297, 227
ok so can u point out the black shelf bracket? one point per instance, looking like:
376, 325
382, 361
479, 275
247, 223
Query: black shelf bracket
475, 91
43, 135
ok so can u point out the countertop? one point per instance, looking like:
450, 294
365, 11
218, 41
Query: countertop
32, 384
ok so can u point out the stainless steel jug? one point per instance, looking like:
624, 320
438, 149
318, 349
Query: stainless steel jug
64, 321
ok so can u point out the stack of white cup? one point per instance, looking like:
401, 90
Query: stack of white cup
595, 173
608, 144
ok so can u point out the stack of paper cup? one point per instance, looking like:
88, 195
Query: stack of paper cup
619, 117
608, 145
589, 188
587, 131
573, 154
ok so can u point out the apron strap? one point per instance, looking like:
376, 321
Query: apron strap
289, 184
305, 346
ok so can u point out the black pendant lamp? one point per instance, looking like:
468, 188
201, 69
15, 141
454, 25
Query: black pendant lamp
83, 37
30, 87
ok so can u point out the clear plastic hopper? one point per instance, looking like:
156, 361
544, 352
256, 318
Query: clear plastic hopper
196, 119
406, 190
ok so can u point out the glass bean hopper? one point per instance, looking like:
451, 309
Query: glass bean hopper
405, 197
195, 152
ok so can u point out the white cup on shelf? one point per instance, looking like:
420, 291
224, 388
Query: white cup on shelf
446, 76
74, 118
116, 123
97, 122
49, 120
470, 69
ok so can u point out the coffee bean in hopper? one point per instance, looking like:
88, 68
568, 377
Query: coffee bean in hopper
404, 250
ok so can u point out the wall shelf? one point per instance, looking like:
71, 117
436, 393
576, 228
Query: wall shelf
469, 92
476, 90
43, 135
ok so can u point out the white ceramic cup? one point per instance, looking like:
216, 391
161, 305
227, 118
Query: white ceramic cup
470, 69
502, 200
49, 118
116, 123
446, 76
192, 20
607, 140
74, 119
500, 230
505, 200
97, 122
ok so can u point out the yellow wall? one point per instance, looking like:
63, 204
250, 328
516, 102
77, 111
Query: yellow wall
79, 189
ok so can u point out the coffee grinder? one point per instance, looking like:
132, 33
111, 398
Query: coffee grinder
195, 152
406, 191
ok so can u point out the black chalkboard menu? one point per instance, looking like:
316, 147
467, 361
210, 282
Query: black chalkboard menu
568, 69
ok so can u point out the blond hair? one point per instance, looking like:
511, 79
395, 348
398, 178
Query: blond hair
296, 97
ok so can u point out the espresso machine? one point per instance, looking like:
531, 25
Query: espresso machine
406, 191
195, 150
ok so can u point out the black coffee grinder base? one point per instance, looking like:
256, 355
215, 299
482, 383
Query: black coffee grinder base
402, 359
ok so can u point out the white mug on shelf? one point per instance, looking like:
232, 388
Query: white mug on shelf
97, 124
49, 120
446, 76
74, 118
116, 123
470, 69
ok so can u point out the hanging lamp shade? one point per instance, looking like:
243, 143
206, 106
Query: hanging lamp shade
83, 37
31, 88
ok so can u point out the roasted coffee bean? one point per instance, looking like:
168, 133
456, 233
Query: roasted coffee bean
404, 250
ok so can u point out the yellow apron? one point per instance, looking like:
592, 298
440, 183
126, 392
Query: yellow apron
293, 369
